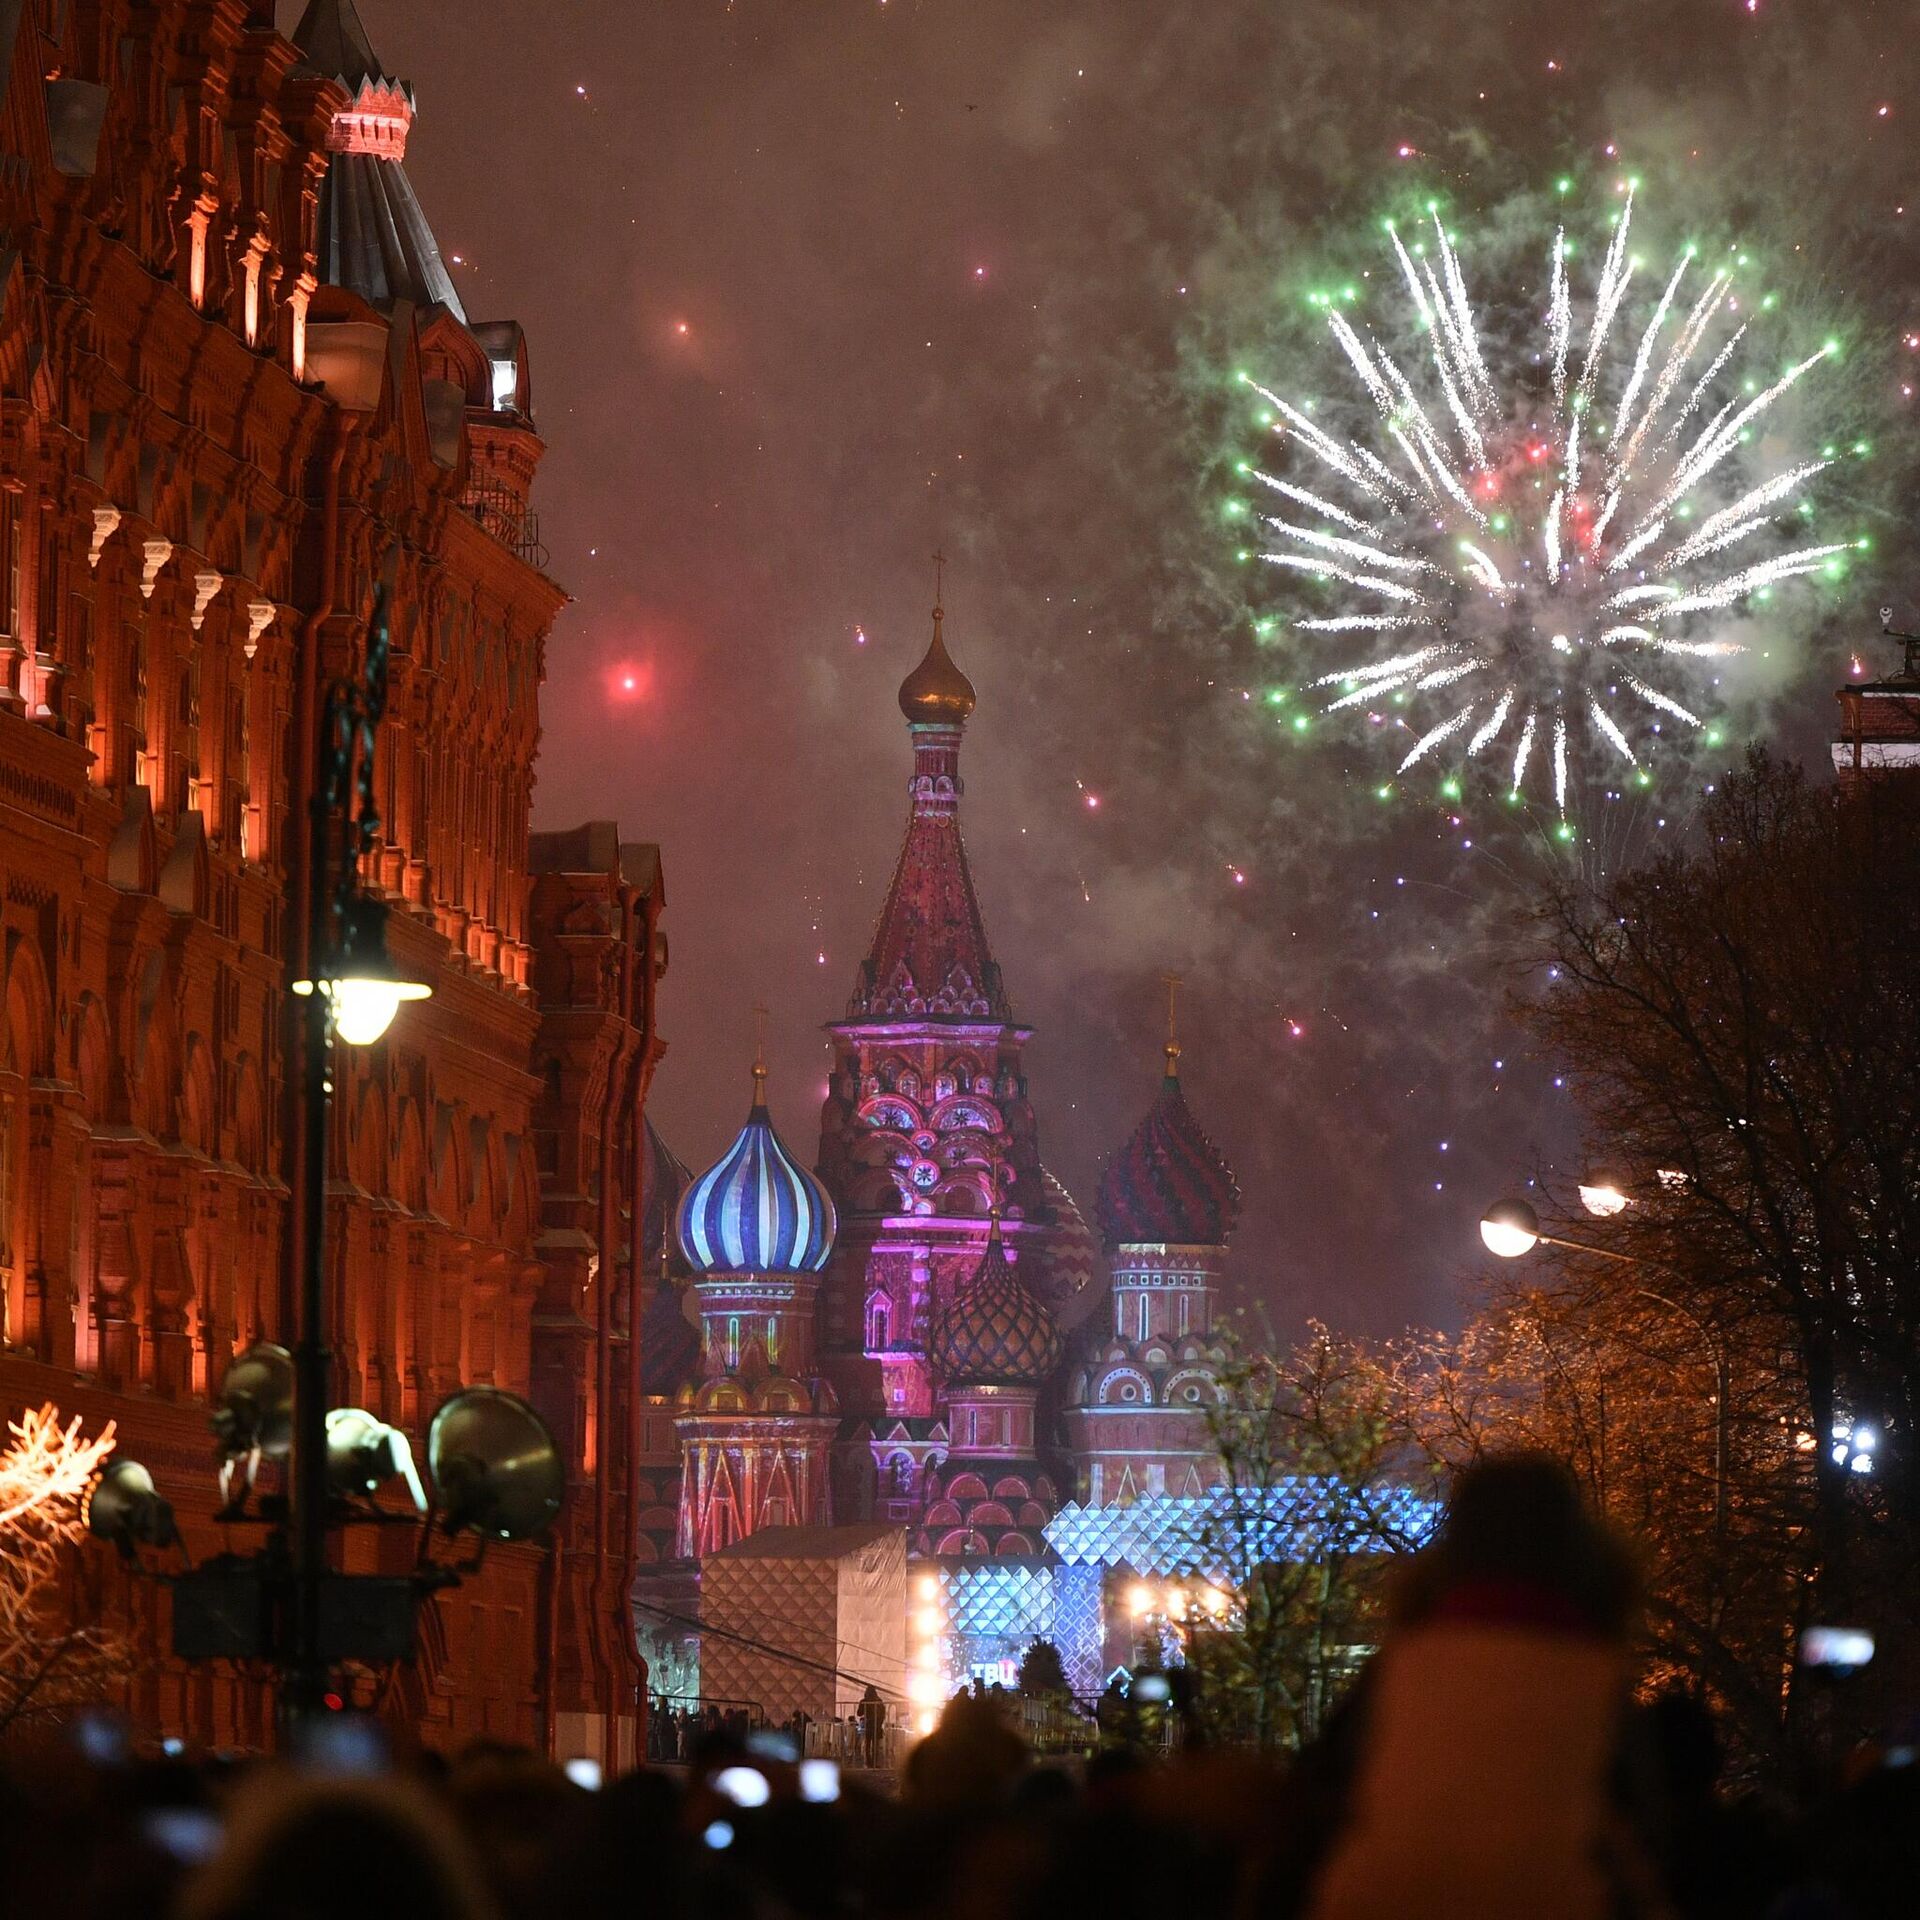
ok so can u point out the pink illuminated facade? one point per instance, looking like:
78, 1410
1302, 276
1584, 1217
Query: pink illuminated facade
926, 1131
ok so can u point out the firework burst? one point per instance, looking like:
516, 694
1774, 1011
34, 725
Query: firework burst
1548, 553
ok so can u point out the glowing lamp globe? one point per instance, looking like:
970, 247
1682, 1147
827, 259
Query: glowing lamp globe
363, 1009
367, 988
1605, 1193
1510, 1228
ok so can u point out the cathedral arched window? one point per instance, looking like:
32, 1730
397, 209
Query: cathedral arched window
733, 1340
877, 1324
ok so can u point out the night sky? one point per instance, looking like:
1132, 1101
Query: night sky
814, 287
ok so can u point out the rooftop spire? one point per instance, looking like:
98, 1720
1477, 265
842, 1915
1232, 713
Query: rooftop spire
760, 1017
1172, 981
336, 44
929, 958
374, 240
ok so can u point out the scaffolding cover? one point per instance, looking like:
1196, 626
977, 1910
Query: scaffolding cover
803, 1618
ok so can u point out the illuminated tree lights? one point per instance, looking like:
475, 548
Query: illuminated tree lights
45, 1472
1549, 541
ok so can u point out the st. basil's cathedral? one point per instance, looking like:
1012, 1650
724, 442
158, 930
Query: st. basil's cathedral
915, 1340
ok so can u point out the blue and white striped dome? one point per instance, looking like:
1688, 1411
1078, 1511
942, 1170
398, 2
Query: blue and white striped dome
756, 1210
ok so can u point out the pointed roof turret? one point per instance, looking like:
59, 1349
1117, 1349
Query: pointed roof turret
374, 239
336, 44
1169, 1185
929, 958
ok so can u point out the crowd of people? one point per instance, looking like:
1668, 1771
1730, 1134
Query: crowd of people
1493, 1761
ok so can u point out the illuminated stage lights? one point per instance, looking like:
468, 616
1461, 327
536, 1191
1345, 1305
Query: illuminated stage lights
1600, 558
928, 1685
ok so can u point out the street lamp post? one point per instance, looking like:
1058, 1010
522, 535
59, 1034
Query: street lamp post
1511, 1229
495, 1470
350, 988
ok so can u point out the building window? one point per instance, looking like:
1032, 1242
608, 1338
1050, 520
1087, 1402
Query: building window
773, 1342
733, 1340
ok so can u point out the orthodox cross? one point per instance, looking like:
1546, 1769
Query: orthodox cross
760, 1017
1172, 983
939, 577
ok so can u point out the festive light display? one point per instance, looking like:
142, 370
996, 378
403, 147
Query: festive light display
45, 1472
1299, 1517
1546, 530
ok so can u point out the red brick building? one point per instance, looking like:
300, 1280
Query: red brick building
236, 388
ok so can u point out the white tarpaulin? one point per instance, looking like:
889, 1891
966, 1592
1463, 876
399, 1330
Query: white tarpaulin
803, 1618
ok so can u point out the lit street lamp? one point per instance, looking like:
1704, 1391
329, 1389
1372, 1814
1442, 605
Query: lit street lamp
1511, 1229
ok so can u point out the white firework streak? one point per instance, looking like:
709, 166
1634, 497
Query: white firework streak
1712, 448
1371, 691
1719, 530
1616, 271
1635, 547
1370, 376
1412, 529
1677, 362
1473, 363
1699, 393
1523, 753
1312, 502
1699, 649
1432, 738
1605, 722
1327, 569
1655, 698
1644, 358
1363, 623
1446, 676
1353, 549
1491, 725
1560, 319
1737, 586
1484, 568
1404, 663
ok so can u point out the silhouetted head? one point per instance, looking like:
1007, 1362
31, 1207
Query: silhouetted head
1517, 1526
317, 1849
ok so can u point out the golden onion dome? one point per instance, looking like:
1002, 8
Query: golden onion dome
936, 693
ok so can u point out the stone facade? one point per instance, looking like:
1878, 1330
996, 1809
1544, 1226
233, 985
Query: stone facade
208, 456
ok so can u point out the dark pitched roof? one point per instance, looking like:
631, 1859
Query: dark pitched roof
335, 43
374, 238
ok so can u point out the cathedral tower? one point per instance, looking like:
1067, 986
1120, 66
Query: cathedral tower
926, 1131
756, 1428
1136, 1417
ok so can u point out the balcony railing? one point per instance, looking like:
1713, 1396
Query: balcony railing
508, 519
